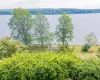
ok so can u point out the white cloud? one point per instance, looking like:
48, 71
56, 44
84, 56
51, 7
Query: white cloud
5, 4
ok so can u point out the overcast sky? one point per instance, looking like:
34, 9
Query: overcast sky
9, 4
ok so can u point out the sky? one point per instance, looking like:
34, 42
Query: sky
87, 4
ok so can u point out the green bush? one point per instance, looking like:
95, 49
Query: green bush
98, 49
42, 66
9, 47
37, 48
98, 52
89, 70
49, 66
65, 49
85, 47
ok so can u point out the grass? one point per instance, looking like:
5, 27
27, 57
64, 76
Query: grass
92, 52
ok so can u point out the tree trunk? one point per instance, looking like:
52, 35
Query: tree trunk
63, 43
42, 44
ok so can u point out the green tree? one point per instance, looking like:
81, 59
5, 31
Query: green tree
64, 31
91, 39
21, 24
42, 32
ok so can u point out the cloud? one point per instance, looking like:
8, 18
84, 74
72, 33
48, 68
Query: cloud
70, 3
4, 4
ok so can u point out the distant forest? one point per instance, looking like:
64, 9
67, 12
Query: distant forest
51, 11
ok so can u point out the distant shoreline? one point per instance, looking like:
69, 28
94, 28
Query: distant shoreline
52, 11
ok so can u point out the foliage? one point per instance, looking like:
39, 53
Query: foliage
21, 48
99, 49
49, 66
65, 49
98, 53
43, 66
37, 48
64, 31
21, 24
91, 39
52, 11
85, 47
89, 70
7, 47
42, 32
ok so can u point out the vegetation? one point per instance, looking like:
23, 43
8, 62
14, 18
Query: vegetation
64, 31
65, 49
90, 40
89, 70
41, 66
9, 47
49, 66
41, 31
86, 47
45, 65
21, 24
51, 11
29, 58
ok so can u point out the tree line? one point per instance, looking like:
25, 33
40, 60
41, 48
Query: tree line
36, 30
51, 11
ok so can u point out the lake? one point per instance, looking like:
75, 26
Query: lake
83, 24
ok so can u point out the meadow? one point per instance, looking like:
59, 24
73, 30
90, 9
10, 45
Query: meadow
92, 52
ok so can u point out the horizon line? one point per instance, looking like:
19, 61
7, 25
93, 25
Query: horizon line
54, 8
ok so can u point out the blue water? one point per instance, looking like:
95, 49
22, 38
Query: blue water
83, 24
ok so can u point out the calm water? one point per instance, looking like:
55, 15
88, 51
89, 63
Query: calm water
83, 24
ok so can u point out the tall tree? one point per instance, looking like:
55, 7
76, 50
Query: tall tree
91, 39
21, 24
42, 32
64, 31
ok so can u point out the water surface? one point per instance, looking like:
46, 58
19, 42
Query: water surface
83, 24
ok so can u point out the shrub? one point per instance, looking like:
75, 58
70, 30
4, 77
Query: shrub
98, 52
98, 49
21, 48
37, 48
85, 47
7, 47
89, 70
43, 66
65, 49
